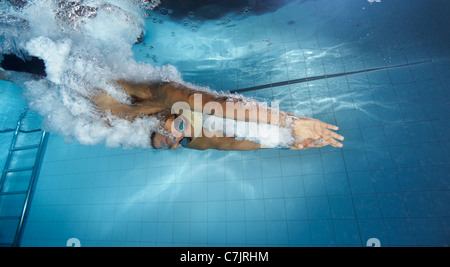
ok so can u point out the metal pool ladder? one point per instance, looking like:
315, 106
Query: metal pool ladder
17, 182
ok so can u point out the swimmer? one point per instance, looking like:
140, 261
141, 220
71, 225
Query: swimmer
179, 130
158, 99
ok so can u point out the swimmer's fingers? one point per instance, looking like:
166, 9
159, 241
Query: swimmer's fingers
300, 146
323, 125
328, 126
303, 145
311, 145
334, 143
333, 135
296, 146
330, 141
329, 137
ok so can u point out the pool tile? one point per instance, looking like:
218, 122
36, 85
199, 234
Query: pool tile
318, 208
404, 156
342, 207
401, 75
392, 205
356, 160
373, 137
332, 162
337, 183
366, 206
322, 232
361, 182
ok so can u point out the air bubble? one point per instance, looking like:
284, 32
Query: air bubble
186, 23
224, 21
155, 20
165, 12
247, 10
190, 25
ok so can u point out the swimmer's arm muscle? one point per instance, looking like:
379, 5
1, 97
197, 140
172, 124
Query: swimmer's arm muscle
106, 102
236, 109
223, 106
223, 143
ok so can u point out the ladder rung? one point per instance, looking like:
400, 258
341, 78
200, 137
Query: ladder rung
12, 193
24, 148
31, 131
9, 218
19, 169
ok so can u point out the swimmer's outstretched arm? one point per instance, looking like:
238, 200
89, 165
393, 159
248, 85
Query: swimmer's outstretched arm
106, 102
227, 143
223, 143
307, 132
169, 94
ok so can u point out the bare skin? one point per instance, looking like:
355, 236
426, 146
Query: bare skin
150, 99
203, 142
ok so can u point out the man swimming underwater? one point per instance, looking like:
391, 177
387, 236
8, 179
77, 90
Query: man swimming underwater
182, 110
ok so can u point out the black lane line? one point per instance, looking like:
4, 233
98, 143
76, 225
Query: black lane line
314, 78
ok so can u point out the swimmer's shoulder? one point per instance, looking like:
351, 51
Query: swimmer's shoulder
142, 91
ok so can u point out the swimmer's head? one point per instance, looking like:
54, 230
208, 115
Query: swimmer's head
177, 127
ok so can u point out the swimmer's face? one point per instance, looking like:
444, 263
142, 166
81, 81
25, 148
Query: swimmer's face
178, 126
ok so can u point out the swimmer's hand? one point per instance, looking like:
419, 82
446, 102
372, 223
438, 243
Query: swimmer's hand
314, 133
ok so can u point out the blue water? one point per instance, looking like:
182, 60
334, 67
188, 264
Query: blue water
390, 181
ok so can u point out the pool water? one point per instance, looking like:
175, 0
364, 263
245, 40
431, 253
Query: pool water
378, 70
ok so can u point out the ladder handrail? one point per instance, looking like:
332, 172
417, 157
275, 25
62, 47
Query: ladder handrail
33, 178
31, 185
